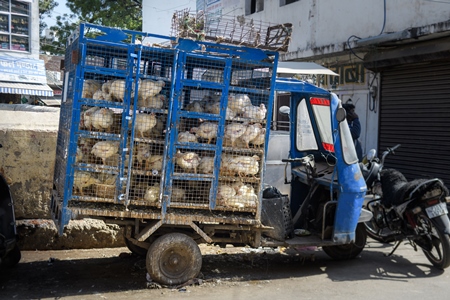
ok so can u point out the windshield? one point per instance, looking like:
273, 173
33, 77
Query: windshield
322, 114
348, 148
305, 139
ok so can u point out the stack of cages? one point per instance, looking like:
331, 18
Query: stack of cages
222, 107
150, 130
100, 167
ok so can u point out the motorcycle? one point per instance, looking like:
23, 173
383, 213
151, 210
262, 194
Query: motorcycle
9, 250
407, 210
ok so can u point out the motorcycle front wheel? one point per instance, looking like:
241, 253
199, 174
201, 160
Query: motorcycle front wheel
439, 255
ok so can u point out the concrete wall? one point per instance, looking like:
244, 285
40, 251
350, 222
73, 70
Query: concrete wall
28, 135
327, 24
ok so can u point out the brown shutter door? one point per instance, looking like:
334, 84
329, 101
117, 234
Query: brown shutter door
415, 112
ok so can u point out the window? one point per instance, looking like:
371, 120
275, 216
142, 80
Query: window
305, 139
253, 6
286, 2
14, 25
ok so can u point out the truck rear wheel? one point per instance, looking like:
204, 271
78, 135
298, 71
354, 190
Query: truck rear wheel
350, 250
173, 259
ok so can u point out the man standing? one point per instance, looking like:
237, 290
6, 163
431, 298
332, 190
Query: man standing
355, 127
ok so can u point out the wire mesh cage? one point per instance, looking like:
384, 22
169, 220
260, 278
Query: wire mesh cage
238, 30
148, 127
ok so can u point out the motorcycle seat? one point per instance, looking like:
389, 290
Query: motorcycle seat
397, 189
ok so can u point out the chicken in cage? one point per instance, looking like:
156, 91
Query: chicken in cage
144, 123
236, 195
206, 131
105, 149
143, 153
84, 180
187, 137
206, 165
187, 161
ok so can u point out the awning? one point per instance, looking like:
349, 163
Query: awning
50, 101
303, 68
25, 88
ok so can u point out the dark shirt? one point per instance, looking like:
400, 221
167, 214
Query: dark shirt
355, 130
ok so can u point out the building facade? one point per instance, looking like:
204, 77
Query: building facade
393, 60
22, 73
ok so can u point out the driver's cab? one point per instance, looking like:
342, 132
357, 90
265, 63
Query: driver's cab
322, 153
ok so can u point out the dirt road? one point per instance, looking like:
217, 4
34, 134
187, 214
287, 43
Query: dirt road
231, 273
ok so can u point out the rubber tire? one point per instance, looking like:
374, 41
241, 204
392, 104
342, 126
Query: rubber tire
349, 251
12, 258
444, 240
135, 249
173, 259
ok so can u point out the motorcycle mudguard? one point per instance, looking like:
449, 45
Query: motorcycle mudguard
443, 223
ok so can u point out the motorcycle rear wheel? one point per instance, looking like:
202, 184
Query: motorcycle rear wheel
439, 255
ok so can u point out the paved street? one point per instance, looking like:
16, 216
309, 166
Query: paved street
236, 273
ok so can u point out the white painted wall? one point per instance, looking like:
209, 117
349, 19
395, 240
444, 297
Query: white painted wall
330, 22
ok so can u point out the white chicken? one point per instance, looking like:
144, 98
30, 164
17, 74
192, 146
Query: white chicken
224, 194
187, 161
87, 117
244, 165
215, 109
148, 88
159, 128
255, 112
245, 196
144, 123
82, 179
99, 95
195, 106
155, 101
79, 155
206, 165
187, 137
259, 139
105, 149
90, 86
206, 130
106, 87
155, 162
234, 131
252, 131
143, 154
152, 194
178, 194
237, 102
102, 119
117, 90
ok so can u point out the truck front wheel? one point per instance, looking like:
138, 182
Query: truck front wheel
350, 250
173, 259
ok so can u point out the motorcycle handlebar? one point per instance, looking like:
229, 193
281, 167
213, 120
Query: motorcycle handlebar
389, 151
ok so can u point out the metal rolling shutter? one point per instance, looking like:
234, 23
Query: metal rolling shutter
415, 112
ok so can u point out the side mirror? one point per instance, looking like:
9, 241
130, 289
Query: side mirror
284, 110
340, 114
371, 154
